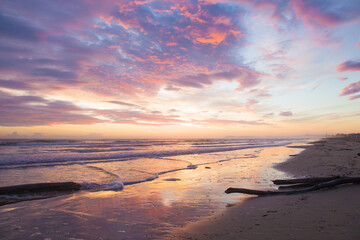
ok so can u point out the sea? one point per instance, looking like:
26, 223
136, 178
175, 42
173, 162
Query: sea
130, 189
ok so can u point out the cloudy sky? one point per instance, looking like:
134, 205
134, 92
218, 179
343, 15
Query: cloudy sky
179, 68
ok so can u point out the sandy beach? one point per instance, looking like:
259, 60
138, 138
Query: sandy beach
324, 214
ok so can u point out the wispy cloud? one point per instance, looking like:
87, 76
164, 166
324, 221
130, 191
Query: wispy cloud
124, 103
354, 97
328, 14
15, 28
227, 121
350, 66
286, 114
245, 77
342, 78
139, 117
134, 47
351, 88
35, 111
14, 84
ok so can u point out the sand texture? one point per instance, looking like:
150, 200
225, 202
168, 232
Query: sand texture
324, 214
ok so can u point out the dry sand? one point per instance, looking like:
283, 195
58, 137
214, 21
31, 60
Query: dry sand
324, 214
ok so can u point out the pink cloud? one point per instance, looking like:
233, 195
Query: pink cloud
323, 13
351, 89
226, 121
311, 15
265, 94
35, 111
172, 88
129, 47
326, 40
342, 78
314, 13
277, 55
14, 84
245, 77
351, 66
286, 114
260, 93
251, 102
153, 118
354, 97
268, 115
124, 104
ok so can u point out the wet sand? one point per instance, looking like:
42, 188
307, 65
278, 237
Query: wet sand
324, 214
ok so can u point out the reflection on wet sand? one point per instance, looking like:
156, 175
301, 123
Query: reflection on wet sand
144, 211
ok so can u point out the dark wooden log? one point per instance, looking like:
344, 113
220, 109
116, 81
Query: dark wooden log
249, 191
304, 180
322, 185
40, 187
343, 180
296, 186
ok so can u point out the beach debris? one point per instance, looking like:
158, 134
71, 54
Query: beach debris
27, 192
40, 187
207, 167
311, 180
306, 184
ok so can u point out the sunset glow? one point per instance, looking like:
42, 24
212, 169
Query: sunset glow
178, 68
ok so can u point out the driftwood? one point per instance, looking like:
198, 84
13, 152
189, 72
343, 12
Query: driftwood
321, 184
40, 187
304, 180
296, 186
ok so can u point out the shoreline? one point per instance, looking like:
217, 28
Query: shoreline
10, 194
150, 210
325, 214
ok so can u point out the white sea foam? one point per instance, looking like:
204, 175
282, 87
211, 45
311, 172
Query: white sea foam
117, 185
191, 166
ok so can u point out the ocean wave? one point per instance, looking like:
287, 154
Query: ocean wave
14, 159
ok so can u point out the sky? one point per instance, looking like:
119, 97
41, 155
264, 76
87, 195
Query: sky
178, 68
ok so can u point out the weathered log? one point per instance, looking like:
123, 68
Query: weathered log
322, 185
343, 180
40, 187
304, 180
250, 191
296, 186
